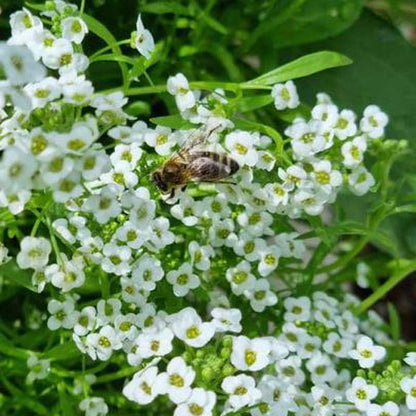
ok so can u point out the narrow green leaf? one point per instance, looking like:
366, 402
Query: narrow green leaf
164, 7
301, 67
113, 57
174, 121
7, 348
101, 31
394, 319
64, 400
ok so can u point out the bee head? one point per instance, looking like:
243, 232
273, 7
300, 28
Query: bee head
159, 182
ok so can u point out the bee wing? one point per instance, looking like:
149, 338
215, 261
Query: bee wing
195, 139
204, 169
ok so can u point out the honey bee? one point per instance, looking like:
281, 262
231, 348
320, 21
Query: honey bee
191, 164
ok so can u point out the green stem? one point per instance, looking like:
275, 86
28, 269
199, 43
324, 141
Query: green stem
82, 7
53, 241
400, 273
109, 47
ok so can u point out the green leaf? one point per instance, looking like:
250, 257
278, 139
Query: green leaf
395, 324
304, 22
302, 67
64, 400
112, 57
13, 274
101, 31
63, 352
7, 348
253, 103
174, 121
164, 7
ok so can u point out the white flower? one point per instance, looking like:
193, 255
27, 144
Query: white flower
74, 29
345, 126
215, 207
188, 326
116, 259
16, 169
242, 391
249, 247
266, 160
373, 122
289, 369
327, 113
15, 202
221, 233
186, 210
200, 255
102, 344
154, 344
121, 176
160, 235
387, 409
86, 321
297, 309
241, 147
43, 92
179, 87
201, 402
147, 272
39, 368
367, 353
285, 95
326, 177
108, 310
353, 151
255, 223
69, 276
62, 314
321, 368
94, 406
408, 385
226, 320
241, 278
338, 346
130, 153
250, 354
269, 260
142, 39
183, 280
144, 387
72, 229
360, 181
104, 204
410, 359
24, 26
261, 296
361, 393
34, 253
19, 66
176, 381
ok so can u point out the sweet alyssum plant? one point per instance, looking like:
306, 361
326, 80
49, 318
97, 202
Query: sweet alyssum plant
222, 300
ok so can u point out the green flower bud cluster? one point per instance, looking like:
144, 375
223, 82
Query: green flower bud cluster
314, 329
388, 381
212, 364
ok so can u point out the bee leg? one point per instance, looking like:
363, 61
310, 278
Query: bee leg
183, 188
172, 193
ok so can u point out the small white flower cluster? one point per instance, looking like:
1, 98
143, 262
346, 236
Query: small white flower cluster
152, 268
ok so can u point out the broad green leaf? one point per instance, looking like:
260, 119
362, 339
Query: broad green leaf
302, 67
253, 103
174, 121
13, 274
306, 22
63, 352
